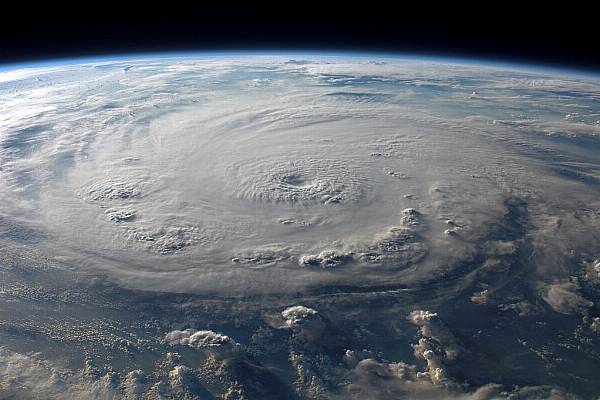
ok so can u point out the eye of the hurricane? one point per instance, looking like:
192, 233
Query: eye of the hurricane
297, 181
305, 181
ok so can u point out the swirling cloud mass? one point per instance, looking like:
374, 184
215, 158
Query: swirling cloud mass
254, 227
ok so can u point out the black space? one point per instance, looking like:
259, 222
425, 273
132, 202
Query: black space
561, 40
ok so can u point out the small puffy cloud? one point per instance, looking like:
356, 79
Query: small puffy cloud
432, 327
295, 315
310, 331
180, 377
325, 259
135, 384
480, 297
411, 217
422, 317
198, 339
522, 308
352, 357
566, 299
592, 271
120, 214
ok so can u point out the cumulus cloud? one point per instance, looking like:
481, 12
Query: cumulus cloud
31, 376
120, 214
198, 339
297, 315
377, 380
325, 259
432, 327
